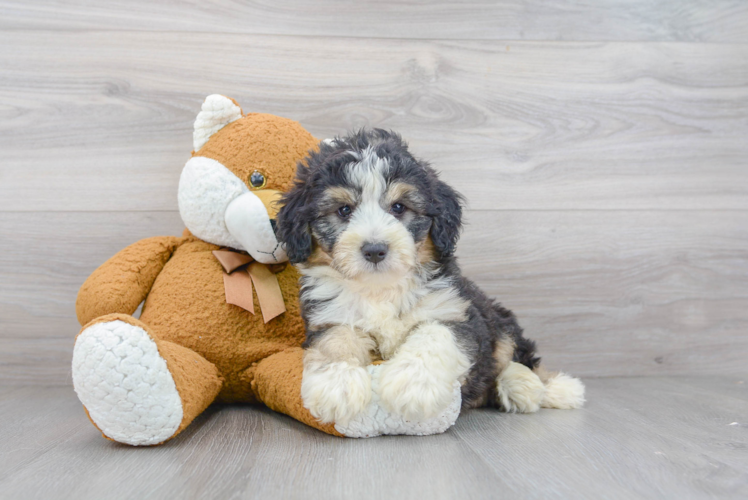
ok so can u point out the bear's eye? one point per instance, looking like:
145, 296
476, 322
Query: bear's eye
397, 208
345, 211
257, 180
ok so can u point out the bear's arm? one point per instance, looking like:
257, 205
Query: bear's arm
121, 283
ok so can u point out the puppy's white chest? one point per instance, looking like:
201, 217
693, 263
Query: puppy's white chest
388, 328
384, 321
387, 316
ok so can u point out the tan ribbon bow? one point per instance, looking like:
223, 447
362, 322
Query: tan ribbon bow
240, 271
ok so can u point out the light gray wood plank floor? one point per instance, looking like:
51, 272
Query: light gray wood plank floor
637, 438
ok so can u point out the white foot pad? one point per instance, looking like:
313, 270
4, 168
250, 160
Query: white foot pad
376, 421
125, 385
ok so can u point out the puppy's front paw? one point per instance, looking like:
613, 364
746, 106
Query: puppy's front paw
335, 392
408, 388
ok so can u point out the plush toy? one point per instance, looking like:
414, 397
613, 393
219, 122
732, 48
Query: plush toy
220, 318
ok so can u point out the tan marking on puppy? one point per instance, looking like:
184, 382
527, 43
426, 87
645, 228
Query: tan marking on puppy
337, 196
544, 374
503, 352
397, 191
318, 258
426, 252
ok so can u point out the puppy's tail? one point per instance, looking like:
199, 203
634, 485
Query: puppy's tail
562, 391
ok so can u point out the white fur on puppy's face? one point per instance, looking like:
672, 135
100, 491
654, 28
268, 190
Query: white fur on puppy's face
370, 224
372, 221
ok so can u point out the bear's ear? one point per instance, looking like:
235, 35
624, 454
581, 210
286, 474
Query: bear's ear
217, 112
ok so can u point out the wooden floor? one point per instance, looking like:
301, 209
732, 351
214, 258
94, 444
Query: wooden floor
677, 438
603, 148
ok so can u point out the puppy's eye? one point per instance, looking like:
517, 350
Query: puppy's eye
345, 211
397, 208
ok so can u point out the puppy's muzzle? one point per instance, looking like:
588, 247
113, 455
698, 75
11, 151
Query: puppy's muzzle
374, 252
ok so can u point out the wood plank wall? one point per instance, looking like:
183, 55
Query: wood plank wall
603, 149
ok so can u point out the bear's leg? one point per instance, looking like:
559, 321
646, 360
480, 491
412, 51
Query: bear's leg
135, 388
277, 383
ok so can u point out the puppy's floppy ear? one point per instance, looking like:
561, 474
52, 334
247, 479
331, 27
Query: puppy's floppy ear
294, 218
446, 217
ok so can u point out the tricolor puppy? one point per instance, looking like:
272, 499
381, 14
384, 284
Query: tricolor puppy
373, 231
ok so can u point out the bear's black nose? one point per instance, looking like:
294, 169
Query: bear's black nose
374, 252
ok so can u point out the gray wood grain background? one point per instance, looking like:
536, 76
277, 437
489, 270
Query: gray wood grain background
603, 148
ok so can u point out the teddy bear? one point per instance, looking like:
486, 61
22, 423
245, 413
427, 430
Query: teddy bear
220, 318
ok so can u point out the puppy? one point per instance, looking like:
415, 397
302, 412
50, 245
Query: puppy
373, 232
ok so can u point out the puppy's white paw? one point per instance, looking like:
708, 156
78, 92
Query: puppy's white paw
407, 388
335, 392
378, 421
520, 389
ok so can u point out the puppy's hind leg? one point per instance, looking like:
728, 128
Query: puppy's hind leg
519, 389
522, 390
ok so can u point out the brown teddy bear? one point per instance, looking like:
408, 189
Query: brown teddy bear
220, 318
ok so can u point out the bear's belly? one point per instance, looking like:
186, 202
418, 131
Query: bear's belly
187, 306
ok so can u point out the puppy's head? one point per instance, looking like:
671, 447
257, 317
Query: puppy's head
365, 206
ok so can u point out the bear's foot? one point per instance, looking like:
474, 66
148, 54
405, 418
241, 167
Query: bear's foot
125, 384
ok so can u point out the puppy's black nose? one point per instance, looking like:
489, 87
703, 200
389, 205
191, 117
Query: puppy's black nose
374, 252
